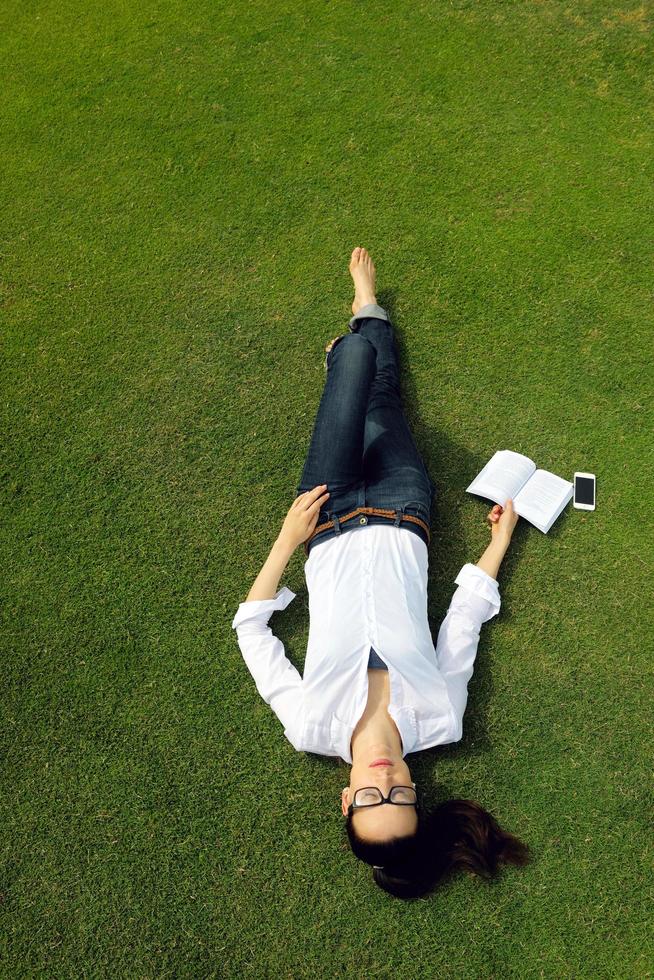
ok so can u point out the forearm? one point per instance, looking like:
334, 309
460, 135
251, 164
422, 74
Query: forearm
491, 559
266, 583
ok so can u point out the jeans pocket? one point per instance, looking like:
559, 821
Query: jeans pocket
418, 509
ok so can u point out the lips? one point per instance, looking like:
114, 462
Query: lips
380, 762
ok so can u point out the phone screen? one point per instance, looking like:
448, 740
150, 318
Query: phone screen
584, 490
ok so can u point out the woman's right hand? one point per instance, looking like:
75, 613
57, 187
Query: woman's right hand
503, 521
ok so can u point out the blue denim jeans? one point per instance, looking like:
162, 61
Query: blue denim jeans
361, 445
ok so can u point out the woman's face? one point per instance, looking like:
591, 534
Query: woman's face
378, 823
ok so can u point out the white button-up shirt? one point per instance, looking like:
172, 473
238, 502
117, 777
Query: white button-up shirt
368, 587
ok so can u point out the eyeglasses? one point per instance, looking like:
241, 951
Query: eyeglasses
373, 796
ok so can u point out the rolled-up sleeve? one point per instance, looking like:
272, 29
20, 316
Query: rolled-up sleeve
476, 600
277, 680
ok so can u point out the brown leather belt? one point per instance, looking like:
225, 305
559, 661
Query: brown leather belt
366, 510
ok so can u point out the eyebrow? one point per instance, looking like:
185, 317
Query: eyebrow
358, 811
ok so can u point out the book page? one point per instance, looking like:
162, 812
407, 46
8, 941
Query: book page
543, 498
502, 476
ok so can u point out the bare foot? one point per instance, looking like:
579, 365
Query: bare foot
362, 271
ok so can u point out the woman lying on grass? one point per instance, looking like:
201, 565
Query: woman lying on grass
374, 687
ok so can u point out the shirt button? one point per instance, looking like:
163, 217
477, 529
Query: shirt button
363, 520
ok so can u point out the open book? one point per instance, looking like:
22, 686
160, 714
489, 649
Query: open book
537, 495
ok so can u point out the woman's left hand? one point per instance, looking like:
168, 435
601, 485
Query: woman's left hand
303, 516
503, 521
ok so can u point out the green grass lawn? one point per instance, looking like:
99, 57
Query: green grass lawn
183, 186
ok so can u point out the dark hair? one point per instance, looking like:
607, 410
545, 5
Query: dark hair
457, 835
